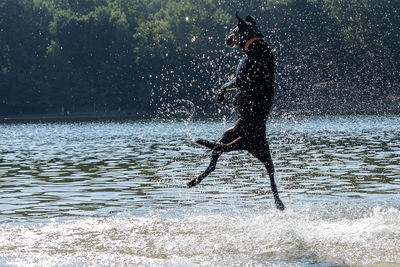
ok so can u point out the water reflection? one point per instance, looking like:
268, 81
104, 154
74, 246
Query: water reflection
102, 168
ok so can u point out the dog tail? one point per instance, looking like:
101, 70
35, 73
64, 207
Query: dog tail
206, 143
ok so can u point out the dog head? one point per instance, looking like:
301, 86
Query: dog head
245, 30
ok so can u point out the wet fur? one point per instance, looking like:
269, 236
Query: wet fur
255, 85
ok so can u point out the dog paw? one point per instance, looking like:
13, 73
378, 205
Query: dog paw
193, 183
279, 205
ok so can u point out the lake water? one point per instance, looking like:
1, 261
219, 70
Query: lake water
114, 193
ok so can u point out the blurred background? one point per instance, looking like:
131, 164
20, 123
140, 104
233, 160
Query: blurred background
146, 57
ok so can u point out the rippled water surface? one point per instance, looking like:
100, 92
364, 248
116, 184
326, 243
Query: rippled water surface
113, 193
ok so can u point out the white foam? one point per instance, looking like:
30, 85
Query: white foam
270, 238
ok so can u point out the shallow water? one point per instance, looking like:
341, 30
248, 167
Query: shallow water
113, 193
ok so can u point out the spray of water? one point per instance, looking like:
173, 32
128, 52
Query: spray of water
221, 240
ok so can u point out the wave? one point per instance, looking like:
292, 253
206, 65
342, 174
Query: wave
252, 238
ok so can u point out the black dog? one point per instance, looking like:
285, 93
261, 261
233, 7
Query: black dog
255, 83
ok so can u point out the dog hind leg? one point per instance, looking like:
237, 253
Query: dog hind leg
214, 158
230, 141
264, 156
270, 168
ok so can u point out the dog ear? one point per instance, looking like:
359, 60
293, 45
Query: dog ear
251, 20
239, 18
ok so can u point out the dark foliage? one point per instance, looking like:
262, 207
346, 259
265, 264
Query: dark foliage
335, 56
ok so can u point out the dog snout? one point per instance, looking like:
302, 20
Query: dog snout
229, 41
231, 38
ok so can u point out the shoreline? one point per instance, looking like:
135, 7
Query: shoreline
72, 116
88, 116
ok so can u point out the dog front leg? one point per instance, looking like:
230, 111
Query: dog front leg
214, 158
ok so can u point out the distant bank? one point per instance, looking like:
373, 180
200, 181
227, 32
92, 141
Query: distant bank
74, 116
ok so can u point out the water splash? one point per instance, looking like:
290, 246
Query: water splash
287, 238
179, 109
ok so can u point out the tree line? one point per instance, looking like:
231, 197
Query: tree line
169, 56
